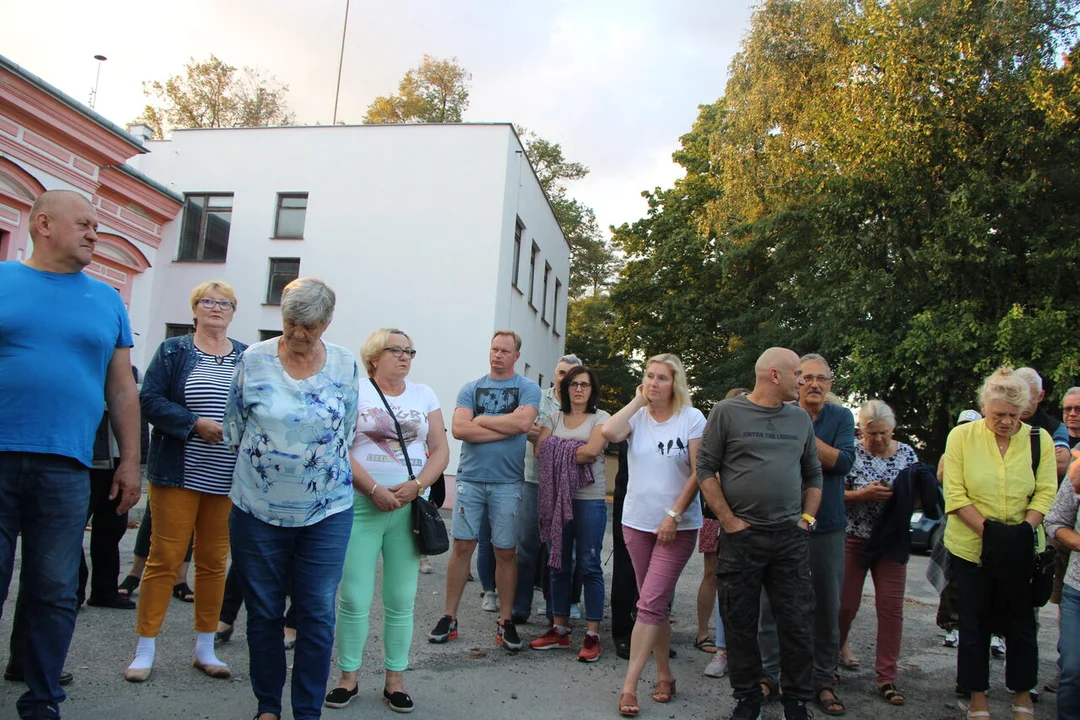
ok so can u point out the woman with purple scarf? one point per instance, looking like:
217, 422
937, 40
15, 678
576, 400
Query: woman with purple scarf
573, 513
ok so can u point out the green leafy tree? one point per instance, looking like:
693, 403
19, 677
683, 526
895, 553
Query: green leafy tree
213, 93
435, 92
587, 323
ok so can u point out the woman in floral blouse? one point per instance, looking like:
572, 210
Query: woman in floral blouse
292, 416
878, 460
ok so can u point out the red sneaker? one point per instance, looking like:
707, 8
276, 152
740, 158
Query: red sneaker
590, 650
550, 640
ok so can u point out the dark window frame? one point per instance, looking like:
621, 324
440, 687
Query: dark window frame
178, 330
269, 334
198, 253
277, 214
272, 275
533, 257
555, 307
515, 274
544, 297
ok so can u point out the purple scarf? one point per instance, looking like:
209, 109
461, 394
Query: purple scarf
560, 476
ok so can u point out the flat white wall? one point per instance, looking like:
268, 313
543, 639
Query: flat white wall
411, 225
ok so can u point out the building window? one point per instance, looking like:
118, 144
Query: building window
282, 272
543, 298
518, 230
527, 367
555, 307
532, 273
540, 381
178, 330
291, 213
269, 334
204, 236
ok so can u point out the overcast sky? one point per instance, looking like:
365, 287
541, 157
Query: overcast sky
616, 82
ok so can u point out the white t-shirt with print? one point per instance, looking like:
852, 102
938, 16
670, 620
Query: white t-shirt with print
658, 458
376, 447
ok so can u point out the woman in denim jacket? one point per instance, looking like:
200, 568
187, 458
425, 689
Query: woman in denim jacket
184, 395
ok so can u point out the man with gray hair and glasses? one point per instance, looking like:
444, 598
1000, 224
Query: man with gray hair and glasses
1036, 416
528, 548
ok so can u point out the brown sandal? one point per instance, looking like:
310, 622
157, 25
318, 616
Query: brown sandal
830, 704
891, 694
768, 690
628, 705
664, 691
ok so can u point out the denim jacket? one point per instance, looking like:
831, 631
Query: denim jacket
162, 400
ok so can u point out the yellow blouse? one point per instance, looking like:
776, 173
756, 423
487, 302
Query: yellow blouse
1000, 488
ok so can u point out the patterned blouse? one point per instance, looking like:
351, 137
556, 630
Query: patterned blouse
870, 469
292, 436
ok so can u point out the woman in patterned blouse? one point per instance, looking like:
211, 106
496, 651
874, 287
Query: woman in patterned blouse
292, 416
878, 460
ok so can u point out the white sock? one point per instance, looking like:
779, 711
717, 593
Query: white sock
204, 649
562, 629
144, 654
594, 634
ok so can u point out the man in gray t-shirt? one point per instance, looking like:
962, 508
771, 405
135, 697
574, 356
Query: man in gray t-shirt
759, 472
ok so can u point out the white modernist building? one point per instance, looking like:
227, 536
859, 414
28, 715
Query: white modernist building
440, 230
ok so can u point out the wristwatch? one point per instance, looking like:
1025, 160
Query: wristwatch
677, 517
811, 521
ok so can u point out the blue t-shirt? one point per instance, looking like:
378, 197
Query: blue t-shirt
502, 461
834, 426
58, 332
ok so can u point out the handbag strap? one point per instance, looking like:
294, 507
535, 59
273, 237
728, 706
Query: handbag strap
397, 427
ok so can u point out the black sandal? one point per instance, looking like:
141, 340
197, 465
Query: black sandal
129, 586
832, 704
181, 591
891, 694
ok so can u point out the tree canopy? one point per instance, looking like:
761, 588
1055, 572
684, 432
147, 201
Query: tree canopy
213, 93
435, 92
891, 184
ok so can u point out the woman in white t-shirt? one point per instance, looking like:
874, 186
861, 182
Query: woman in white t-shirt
583, 536
382, 518
661, 515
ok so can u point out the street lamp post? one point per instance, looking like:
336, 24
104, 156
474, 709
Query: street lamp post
93, 96
341, 60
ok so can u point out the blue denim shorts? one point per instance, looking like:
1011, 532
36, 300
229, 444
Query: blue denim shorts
499, 501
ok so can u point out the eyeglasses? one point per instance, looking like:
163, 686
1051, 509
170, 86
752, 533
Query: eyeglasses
1071, 409
211, 303
816, 378
580, 385
400, 351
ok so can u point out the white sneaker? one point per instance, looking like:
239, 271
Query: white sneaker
997, 646
952, 639
489, 601
717, 667
575, 611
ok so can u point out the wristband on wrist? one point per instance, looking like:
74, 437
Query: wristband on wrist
677, 517
374, 487
420, 487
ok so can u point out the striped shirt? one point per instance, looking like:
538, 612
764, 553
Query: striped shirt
209, 468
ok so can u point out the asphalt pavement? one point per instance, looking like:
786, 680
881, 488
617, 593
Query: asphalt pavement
473, 679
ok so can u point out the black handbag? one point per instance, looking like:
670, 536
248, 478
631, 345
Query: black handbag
1042, 577
428, 526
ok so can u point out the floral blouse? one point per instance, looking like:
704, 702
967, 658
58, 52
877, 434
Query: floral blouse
869, 469
292, 436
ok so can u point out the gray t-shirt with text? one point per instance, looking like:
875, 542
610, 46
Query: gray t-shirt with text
766, 458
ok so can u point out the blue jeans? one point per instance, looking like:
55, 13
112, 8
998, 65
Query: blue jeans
264, 556
46, 497
1069, 655
496, 502
585, 534
528, 549
485, 557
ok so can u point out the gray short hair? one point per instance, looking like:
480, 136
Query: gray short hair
876, 411
570, 360
814, 357
1031, 377
307, 301
1071, 391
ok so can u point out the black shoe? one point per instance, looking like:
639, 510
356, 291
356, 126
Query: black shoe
398, 701
962, 691
340, 697
445, 629
796, 710
116, 602
622, 649
507, 636
520, 619
16, 675
224, 635
749, 708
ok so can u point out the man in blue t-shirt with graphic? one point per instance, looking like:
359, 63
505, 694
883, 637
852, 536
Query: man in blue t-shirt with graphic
492, 419
64, 356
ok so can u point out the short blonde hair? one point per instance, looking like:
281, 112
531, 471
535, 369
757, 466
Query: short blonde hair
876, 411
511, 334
218, 286
1005, 385
375, 344
680, 388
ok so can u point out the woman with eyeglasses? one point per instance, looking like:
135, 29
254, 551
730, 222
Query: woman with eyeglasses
184, 394
578, 420
382, 515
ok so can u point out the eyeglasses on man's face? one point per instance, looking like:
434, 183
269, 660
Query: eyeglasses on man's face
1068, 409
816, 378
397, 351
211, 303
578, 385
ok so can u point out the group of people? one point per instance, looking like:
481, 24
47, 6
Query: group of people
281, 455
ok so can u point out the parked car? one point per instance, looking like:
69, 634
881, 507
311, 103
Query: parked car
925, 532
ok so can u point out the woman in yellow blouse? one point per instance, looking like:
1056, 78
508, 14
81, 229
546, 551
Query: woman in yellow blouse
990, 486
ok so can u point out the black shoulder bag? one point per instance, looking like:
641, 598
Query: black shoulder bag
428, 525
1042, 578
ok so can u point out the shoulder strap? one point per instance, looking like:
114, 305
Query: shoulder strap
1036, 451
397, 427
